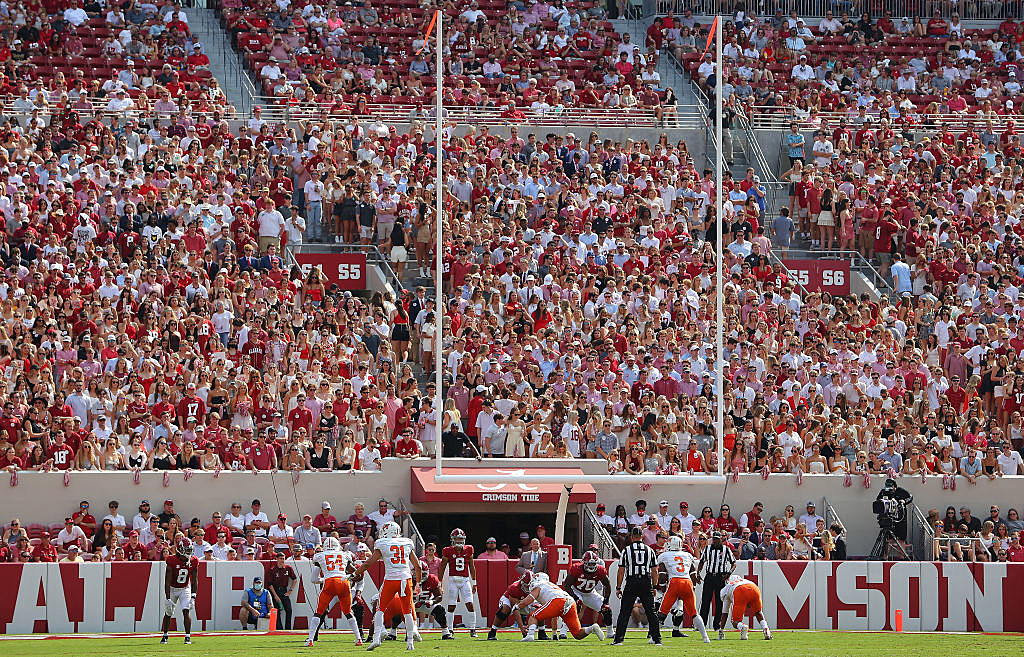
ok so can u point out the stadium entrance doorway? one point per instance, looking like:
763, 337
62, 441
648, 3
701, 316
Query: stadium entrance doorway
505, 527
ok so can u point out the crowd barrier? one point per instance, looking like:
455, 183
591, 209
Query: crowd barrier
823, 595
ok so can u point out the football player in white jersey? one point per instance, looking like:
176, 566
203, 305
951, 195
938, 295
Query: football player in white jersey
681, 567
400, 566
554, 603
742, 596
335, 566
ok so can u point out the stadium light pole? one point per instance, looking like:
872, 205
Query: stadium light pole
438, 220
719, 292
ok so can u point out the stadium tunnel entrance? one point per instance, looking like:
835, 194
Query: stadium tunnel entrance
506, 527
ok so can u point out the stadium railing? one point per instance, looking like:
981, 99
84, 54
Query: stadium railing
919, 533
593, 532
793, 278
409, 528
899, 8
637, 117
766, 117
858, 264
831, 515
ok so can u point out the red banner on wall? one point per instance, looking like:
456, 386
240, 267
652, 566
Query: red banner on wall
832, 276
347, 270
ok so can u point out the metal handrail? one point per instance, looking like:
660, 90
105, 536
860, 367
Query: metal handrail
409, 528
857, 263
373, 256
920, 533
832, 516
275, 109
593, 530
774, 258
782, 117
811, 9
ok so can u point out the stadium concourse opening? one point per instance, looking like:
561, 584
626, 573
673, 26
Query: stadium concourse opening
507, 528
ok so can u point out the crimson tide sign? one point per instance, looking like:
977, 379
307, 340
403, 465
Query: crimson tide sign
347, 270
425, 489
832, 276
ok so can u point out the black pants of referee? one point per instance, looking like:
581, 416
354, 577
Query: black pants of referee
713, 585
637, 587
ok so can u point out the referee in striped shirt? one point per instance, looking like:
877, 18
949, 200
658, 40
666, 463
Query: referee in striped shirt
638, 565
717, 561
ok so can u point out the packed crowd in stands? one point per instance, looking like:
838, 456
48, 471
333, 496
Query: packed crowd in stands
74, 58
151, 323
511, 56
790, 535
251, 534
235, 535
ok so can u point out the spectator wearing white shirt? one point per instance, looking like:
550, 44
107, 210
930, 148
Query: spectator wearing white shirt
76, 15
1010, 462
802, 71
383, 514
369, 457
281, 534
257, 520
115, 518
686, 519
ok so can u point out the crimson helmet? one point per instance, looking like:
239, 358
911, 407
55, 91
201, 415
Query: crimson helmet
458, 537
526, 580
591, 561
183, 548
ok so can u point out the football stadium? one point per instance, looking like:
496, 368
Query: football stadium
418, 325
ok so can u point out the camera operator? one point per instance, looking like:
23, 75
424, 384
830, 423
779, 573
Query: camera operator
891, 508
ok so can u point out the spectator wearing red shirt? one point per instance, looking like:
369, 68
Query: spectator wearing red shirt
407, 447
133, 547
542, 536
191, 406
45, 552
261, 455
726, 523
61, 453
325, 522
84, 519
300, 416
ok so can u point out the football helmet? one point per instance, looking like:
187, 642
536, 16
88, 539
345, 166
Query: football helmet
526, 579
590, 562
674, 544
331, 543
390, 530
540, 579
183, 548
458, 537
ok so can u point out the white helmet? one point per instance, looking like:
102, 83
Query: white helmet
331, 543
540, 579
674, 544
390, 530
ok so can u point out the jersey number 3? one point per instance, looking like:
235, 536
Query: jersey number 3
397, 554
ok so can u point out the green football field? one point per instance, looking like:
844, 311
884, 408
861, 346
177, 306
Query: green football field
816, 644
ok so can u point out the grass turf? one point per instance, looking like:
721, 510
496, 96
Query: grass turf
819, 644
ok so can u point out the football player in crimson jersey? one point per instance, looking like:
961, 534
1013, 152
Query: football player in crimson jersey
428, 602
181, 570
582, 581
516, 591
457, 558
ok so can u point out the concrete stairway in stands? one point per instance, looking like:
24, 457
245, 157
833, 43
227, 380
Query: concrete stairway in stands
225, 63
